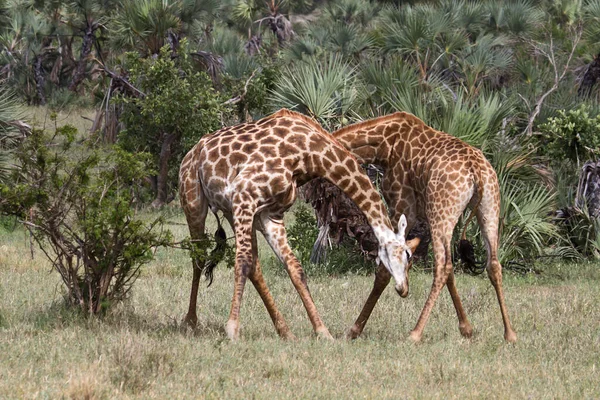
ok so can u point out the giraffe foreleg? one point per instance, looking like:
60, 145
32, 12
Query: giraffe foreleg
257, 279
443, 267
275, 234
382, 279
243, 265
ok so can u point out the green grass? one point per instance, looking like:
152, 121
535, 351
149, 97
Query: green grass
140, 351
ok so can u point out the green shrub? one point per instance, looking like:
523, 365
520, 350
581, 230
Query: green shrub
573, 135
341, 259
77, 202
302, 233
178, 106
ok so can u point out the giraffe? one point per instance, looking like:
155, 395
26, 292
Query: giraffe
251, 173
432, 175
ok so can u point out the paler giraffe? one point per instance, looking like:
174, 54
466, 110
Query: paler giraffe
434, 176
251, 173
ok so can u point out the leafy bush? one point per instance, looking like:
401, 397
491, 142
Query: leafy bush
302, 234
341, 259
572, 135
178, 106
77, 203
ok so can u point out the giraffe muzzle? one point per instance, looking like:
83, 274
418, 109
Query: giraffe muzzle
402, 290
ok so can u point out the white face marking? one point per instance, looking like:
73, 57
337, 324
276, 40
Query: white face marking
392, 253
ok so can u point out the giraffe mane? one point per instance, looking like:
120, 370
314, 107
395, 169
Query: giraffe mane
309, 120
312, 123
398, 115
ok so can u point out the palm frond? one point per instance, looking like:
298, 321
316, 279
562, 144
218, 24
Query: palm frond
324, 90
9, 134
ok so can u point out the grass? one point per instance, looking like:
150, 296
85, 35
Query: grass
140, 351
40, 117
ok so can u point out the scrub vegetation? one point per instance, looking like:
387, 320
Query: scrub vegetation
101, 99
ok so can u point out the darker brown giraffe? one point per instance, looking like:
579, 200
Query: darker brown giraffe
251, 173
432, 175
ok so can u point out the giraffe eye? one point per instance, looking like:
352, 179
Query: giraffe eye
407, 255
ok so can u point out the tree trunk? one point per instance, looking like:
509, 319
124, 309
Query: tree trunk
163, 169
86, 49
588, 189
591, 76
40, 80
98, 119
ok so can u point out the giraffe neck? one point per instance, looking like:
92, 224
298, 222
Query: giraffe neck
347, 174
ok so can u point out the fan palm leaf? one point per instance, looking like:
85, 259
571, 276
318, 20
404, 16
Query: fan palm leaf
324, 90
143, 24
9, 111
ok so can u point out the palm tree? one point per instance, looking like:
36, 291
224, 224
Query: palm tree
325, 90
29, 46
144, 25
9, 133
147, 25
85, 18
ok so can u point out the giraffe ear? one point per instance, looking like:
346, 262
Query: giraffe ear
401, 228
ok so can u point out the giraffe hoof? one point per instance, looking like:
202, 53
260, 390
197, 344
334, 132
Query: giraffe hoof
288, 336
233, 331
353, 333
510, 337
324, 334
415, 337
190, 321
466, 330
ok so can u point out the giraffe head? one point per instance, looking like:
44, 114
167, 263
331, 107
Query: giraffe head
396, 254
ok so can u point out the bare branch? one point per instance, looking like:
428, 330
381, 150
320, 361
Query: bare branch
121, 79
550, 56
237, 99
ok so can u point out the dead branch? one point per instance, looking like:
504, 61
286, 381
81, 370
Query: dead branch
550, 56
237, 99
119, 78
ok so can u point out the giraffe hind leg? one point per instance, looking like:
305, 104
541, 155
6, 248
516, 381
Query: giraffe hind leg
257, 279
195, 207
464, 326
243, 214
487, 216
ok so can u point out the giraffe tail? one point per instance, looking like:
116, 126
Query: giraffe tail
217, 254
465, 249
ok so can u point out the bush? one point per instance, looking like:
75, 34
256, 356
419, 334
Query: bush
573, 135
178, 106
343, 258
77, 203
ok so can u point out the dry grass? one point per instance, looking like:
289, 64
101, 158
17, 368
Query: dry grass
40, 117
140, 350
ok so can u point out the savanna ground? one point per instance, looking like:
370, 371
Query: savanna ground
140, 350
